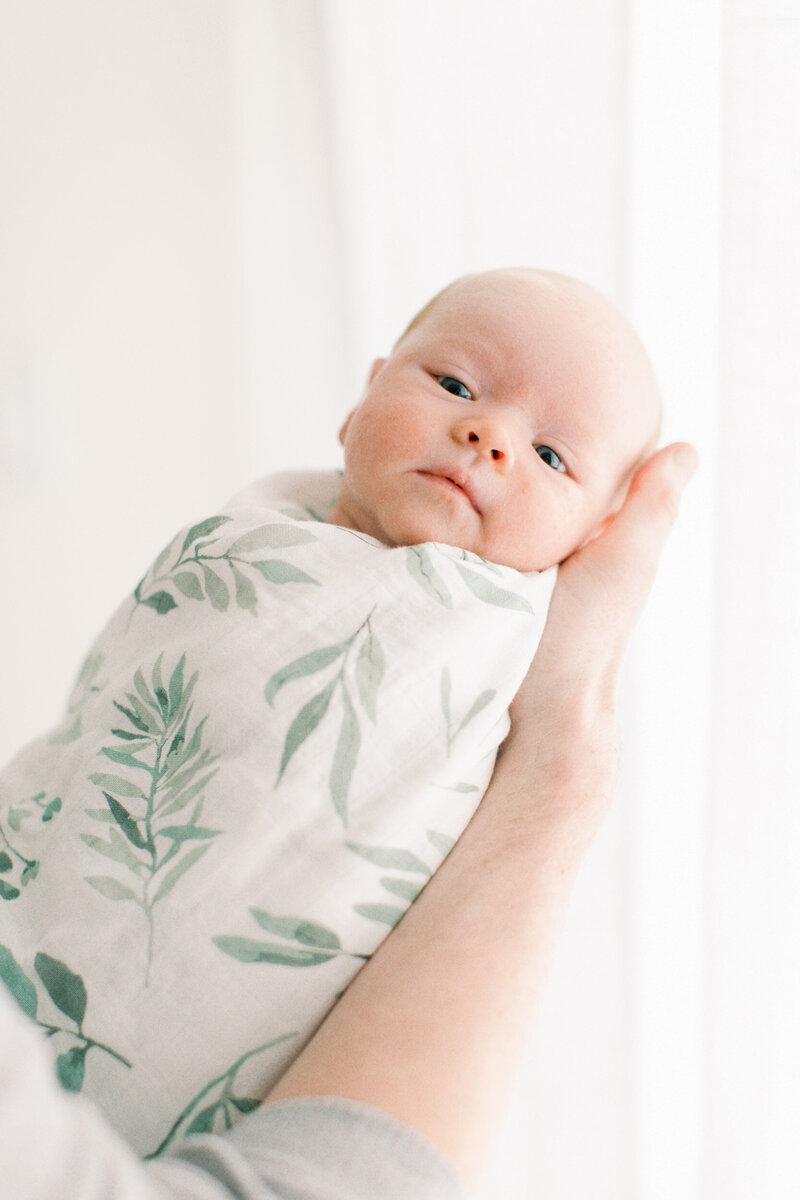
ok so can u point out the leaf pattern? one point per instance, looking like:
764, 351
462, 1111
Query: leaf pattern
490, 593
365, 670
166, 768
158, 791
423, 572
301, 943
192, 574
478, 705
221, 1110
16, 870
396, 859
67, 993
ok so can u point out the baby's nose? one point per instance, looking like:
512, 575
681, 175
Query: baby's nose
489, 438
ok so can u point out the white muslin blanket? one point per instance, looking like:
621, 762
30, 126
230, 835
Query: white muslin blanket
268, 752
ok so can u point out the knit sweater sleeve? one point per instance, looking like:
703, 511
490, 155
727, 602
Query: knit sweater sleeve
53, 1143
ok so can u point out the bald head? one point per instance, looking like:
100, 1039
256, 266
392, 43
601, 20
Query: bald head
597, 323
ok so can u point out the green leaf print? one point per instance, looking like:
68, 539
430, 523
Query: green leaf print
204, 1121
116, 847
304, 943
126, 821
71, 1068
12, 858
202, 530
423, 572
17, 982
198, 573
63, 986
395, 859
189, 585
477, 707
403, 888
344, 758
162, 601
304, 724
172, 768
67, 992
249, 951
226, 1104
274, 570
116, 783
390, 858
273, 537
384, 913
359, 674
309, 664
216, 590
51, 809
111, 888
440, 841
490, 593
245, 591
297, 929
370, 667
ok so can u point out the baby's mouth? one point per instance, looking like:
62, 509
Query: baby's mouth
454, 481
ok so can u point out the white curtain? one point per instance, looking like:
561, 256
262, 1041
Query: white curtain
216, 214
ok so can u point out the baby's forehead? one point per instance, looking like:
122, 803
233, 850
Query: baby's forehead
552, 335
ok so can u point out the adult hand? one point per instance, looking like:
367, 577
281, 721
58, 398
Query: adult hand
432, 1030
564, 713
602, 588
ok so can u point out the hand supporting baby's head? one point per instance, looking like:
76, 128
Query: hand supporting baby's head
508, 420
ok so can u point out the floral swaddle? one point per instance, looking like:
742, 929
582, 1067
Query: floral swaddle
268, 752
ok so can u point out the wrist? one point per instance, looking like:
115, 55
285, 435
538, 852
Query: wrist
558, 778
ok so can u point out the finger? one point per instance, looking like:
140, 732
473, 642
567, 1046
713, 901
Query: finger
627, 553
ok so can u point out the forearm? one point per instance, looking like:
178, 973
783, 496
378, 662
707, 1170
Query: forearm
432, 1030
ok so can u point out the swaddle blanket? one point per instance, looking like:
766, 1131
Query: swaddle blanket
267, 753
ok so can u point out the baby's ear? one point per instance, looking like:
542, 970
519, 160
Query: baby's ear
373, 371
345, 427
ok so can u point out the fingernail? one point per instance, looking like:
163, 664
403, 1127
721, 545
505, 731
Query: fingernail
684, 463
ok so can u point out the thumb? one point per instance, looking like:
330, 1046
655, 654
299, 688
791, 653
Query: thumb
620, 564
651, 505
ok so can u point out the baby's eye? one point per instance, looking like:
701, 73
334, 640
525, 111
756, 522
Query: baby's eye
455, 387
551, 458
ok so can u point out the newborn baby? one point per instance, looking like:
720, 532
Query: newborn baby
280, 734
508, 420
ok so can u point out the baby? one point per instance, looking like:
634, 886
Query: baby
508, 420
280, 734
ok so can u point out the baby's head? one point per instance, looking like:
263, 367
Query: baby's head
508, 420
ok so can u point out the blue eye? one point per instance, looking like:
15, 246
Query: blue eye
551, 458
455, 387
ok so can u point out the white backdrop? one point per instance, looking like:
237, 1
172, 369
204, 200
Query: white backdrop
214, 215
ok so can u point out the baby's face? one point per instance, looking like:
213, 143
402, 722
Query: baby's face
508, 421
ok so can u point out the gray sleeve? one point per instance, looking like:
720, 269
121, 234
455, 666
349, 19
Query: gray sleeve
53, 1144
317, 1148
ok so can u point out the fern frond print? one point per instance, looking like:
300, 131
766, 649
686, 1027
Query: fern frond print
161, 769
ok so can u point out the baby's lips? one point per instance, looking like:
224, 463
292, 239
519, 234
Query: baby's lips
459, 479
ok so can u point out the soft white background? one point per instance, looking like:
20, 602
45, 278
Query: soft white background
213, 215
